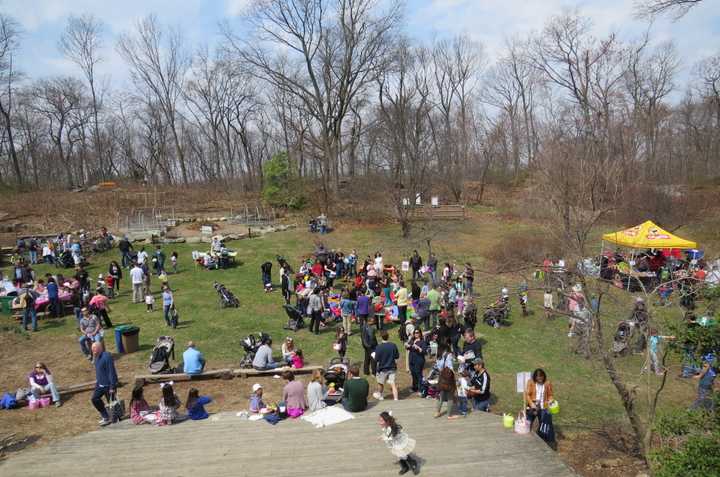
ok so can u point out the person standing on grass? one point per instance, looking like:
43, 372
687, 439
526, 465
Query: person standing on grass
27, 298
138, 280
469, 278
168, 303
125, 248
417, 346
159, 260
416, 264
347, 308
106, 381
369, 344
362, 307
315, 309
386, 356
401, 298
434, 296
54, 305
115, 271
479, 390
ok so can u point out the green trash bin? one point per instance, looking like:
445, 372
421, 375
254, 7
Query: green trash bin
6, 304
131, 339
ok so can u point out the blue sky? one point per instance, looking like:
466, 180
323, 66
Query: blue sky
489, 21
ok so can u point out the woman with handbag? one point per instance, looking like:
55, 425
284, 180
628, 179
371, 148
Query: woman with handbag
538, 396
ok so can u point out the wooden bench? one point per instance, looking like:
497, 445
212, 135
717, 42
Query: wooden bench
225, 373
248, 372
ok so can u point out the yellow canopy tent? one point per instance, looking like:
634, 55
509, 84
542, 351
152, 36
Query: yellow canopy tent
647, 235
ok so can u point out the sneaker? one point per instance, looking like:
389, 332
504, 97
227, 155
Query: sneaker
104, 422
58, 404
377, 395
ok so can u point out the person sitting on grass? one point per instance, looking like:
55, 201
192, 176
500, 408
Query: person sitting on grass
356, 390
297, 360
140, 411
193, 360
195, 405
41, 382
256, 403
288, 349
168, 406
263, 357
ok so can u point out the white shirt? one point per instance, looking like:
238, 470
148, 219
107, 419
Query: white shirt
462, 387
540, 395
141, 257
548, 300
46, 251
149, 299
137, 275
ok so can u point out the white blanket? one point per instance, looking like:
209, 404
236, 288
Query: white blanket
328, 416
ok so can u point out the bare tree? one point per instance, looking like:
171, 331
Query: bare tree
332, 50
404, 109
9, 34
57, 100
653, 8
81, 43
158, 63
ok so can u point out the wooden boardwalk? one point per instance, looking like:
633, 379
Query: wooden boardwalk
230, 446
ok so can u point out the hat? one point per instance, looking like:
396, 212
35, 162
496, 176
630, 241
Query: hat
288, 338
256, 386
478, 361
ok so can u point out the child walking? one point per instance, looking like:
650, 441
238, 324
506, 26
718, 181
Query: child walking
173, 261
399, 443
149, 302
340, 344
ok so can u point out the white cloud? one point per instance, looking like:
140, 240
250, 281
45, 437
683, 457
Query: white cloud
234, 8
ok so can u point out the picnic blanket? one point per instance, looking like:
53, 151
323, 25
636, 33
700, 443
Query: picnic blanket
328, 416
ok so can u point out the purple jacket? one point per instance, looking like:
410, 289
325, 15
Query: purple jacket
363, 305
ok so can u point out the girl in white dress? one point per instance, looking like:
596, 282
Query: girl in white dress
399, 443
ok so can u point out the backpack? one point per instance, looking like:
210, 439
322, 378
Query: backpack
8, 401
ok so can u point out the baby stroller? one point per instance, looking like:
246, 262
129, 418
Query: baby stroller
160, 358
227, 299
336, 372
295, 318
623, 337
497, 314
250, 345
65, 260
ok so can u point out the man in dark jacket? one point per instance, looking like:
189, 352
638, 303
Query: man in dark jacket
125, 247
369, 343
386, 356
106, 380
416, 264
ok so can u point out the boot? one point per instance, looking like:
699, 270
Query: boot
413, 465
403, 467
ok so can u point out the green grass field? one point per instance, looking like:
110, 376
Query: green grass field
585, 394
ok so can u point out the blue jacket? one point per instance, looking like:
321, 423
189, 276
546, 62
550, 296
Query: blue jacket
198, 411
52, 290
105, 374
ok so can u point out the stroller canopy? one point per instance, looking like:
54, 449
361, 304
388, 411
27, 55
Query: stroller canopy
647, 235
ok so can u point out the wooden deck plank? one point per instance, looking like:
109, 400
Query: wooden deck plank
229, 445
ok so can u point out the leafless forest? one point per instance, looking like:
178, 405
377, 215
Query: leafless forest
588, 121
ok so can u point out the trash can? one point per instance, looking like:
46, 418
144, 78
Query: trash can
118, 338
6, 304
131, 339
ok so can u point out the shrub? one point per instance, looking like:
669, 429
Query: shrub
279, 187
